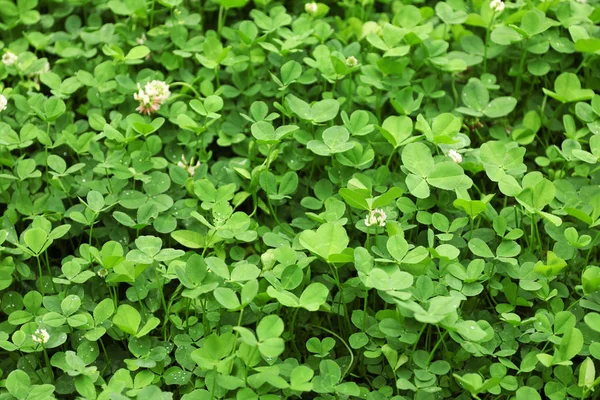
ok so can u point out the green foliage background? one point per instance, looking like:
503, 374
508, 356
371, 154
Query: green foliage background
349, 199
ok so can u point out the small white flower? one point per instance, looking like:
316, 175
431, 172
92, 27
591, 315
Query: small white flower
3, 102
351, 62
153, 95
40, 336
311, 8
376, 217
190, 168
102, 272
141, 40
9, 58
455, 156
497, 5
158, 90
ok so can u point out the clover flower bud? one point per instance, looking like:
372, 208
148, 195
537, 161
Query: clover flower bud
351, 62
376, 217
141, 40
9, 58
311, 8
3, 102
497, 5
455, 156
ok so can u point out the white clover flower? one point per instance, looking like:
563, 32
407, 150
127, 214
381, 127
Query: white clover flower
497, 5
311, 8
46, 67
142, 39
40, 336
190, 168
455, 156
153, 95
351, 62
3, 102
102, 272
376, 217
9, 58
158, 90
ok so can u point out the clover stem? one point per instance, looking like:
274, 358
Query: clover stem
472, 228
454, 92
222, 17
49, 271
46, 148
365, 307
342, 299
377, 105
186, 85
587, 257
188, 303
351, 96
487, 38
521, 65
48, 365
533, 222
107, 178
171, 300
414, 348
217, 77
387, 164
237, 333
142, 309
41, 275
345, 345
293, 332
152, 14
160, 289
435, 347
105, 353
91, 232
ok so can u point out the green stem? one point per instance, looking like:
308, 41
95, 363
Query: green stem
152, 15
221, 20
46, 149
521, 66
589, 253
107, 178
454, 91
387, 164
41, 275
487, 38
50, 272
437, 344
344, 343
342, 299
48, 365
106, 356
160, 288
217, 77
91, 233
237, 334
187, 85
532, 220
293, 332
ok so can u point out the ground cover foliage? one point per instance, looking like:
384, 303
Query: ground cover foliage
262, 200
